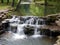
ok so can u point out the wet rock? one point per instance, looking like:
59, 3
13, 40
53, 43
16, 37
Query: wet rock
57, 22
22, 20
55, 33
50, 20
48, 32
29, 30
28, 18
41, 22
5, 25
13, 29
1, 12
0, 18
58, 41
1, 29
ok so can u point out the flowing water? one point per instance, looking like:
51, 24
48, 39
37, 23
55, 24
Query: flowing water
16, 35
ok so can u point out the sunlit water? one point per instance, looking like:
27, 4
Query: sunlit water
19, 37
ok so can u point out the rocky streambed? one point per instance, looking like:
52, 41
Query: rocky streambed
31, 26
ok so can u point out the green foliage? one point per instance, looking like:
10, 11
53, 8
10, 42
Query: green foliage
39, 0
22, 10
53, 6
37, 10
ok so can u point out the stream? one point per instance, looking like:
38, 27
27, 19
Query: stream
17, 32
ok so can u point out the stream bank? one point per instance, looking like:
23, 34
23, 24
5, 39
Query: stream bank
58, 41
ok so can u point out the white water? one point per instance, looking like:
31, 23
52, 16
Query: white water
30, 21
14, 23
36, 32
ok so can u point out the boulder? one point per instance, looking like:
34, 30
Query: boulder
50, 20
5, 25
58, 22
1, 29
48, 32
29, 30
58, 41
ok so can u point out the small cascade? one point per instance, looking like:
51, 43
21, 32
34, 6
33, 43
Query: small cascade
13, 18
20, 29
30, 21
16, 27
26, 30
13, 23
36, 32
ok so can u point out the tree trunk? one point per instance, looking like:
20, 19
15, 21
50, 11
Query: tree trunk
17, 7
45, 11
13, 3
2, 1
34, 0
7, 1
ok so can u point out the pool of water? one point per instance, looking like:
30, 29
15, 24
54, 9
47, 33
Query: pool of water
7, 39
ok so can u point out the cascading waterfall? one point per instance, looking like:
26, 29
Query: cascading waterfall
19, 31
36, 32
30, 21
19, 28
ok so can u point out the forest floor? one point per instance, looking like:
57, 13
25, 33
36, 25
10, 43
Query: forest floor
8, 7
